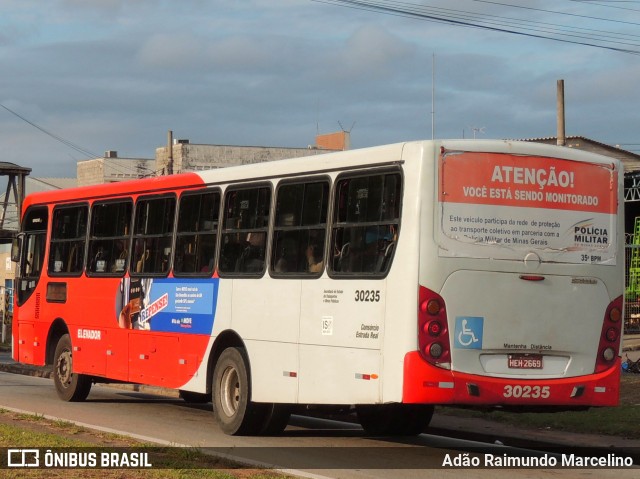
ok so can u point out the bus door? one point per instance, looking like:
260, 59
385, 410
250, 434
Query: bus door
31, 260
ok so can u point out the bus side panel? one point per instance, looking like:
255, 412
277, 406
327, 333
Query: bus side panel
401, 323
90, 314
89, 357
339, 375
266, 315
24, 352
341, 333
153, 358
274, 367
117, 354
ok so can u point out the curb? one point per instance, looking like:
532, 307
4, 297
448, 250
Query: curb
47, 372
26, 370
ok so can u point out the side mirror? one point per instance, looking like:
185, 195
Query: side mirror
16, 247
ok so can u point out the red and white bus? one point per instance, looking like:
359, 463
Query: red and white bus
391, 278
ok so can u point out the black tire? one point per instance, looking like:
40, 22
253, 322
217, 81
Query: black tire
233, 410
70, 386
394, 419
195, 398
275, 419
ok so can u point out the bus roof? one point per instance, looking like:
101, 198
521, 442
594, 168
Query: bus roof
318, 164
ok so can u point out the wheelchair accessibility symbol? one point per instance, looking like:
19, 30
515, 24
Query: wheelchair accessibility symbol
468, 332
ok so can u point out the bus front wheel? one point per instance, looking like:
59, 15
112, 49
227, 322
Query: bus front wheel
394, 419
70, 386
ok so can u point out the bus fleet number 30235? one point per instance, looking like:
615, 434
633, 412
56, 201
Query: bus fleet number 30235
535, 392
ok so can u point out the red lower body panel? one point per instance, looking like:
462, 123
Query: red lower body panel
427, 384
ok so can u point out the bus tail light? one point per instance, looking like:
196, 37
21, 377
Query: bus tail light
433, 332
610, 336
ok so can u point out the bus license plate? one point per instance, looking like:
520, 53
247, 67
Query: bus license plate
525, 361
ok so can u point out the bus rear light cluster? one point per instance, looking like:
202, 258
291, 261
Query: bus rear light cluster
610, 336
433, 333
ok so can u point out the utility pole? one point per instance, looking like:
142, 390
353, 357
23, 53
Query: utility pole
170, 153
562, 141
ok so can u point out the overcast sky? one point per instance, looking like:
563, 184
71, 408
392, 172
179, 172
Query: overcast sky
117, 74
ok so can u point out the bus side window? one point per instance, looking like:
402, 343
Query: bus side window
300, 229
366, 224
68, 237
109, 237
244, 234
196, 235
153, 231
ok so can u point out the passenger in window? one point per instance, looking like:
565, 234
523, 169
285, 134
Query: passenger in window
314, 259
252, 257
141, 256
287, 259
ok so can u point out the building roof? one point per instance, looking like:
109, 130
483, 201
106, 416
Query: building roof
7, 167
630, 160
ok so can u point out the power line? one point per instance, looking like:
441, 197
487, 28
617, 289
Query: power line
597, 3
120, 168
555, 12
528, 28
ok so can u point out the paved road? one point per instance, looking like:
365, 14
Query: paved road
306, 444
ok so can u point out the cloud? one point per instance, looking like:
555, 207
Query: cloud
116, 74
170, 51
371, 51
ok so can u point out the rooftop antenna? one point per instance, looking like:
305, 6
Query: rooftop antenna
347, 135
476, 129
433, 97
349, 130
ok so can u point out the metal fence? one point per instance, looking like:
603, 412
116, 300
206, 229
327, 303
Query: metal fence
631, 285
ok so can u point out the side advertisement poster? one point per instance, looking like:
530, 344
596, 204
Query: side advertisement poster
496, 205
167, 304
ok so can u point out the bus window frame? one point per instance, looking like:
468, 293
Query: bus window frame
333, 223
84, 239
127, 238
266, 230
134, 237
275, 228
217, 233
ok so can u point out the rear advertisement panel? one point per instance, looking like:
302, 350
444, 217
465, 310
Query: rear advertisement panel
502, 206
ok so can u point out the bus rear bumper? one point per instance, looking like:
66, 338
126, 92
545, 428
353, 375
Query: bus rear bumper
427, 384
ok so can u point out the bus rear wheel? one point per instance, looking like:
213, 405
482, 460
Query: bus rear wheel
394, 419
234, 412
70, 386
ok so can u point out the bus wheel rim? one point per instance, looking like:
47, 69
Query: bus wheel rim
230, 391
63, 367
